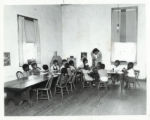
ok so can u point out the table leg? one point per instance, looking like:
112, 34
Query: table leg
26, 96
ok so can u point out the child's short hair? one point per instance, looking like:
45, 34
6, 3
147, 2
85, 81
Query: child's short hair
67, 65
25, 66
64, 71
33, 63
71, 62
64, 60
117, 61
130, 65
99, 63
45, 67
84, 60
55, 61
102, 66
95, 50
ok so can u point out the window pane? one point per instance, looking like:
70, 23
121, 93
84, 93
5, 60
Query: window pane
30, 31
29, 51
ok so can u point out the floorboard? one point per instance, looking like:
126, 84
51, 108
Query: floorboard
86, 101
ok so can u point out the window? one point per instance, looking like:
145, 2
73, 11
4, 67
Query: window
124, 34
29, 40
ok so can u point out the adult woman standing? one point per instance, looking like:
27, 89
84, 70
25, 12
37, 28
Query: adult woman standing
96, 56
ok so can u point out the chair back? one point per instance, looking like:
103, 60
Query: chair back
62, 80
19, 75
73, 77
70, 77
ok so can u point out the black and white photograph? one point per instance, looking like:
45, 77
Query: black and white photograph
74, 60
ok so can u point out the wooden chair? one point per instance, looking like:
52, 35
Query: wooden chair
19, 75
45, 93
87, 80
61, 85
103, 83
134, 81
71, 81
137, 72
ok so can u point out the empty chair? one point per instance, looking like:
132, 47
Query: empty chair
45, 93
19, 75
61, 85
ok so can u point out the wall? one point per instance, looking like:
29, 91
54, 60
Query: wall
49, 20
88, 26
69, 29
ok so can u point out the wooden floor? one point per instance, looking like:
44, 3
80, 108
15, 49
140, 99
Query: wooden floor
87, 101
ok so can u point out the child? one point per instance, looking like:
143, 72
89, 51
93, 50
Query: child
46, 70
89, 73
35, 70
26, 70
116, 68
99, 65
103, 73
130, 73
85, 64
66, 70
64, 61
71, 65
55, 70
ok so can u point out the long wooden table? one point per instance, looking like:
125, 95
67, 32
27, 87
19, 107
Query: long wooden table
15, 88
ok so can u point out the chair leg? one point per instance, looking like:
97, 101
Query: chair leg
37, 93
135, 85
83, 84
55, 91
74, 85
67, 90
105, 86
47, 94
61, 92
71, 86
50, 93
98, 85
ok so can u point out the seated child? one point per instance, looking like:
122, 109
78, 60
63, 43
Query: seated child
65, 72
98, 65
45, 68
103, 73
64, 61
54, 70
71, 65
130, 73
26, 70
85, 64
116, 68
35, 70
87, 71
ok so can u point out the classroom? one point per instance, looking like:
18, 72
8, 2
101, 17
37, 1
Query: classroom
74, 60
